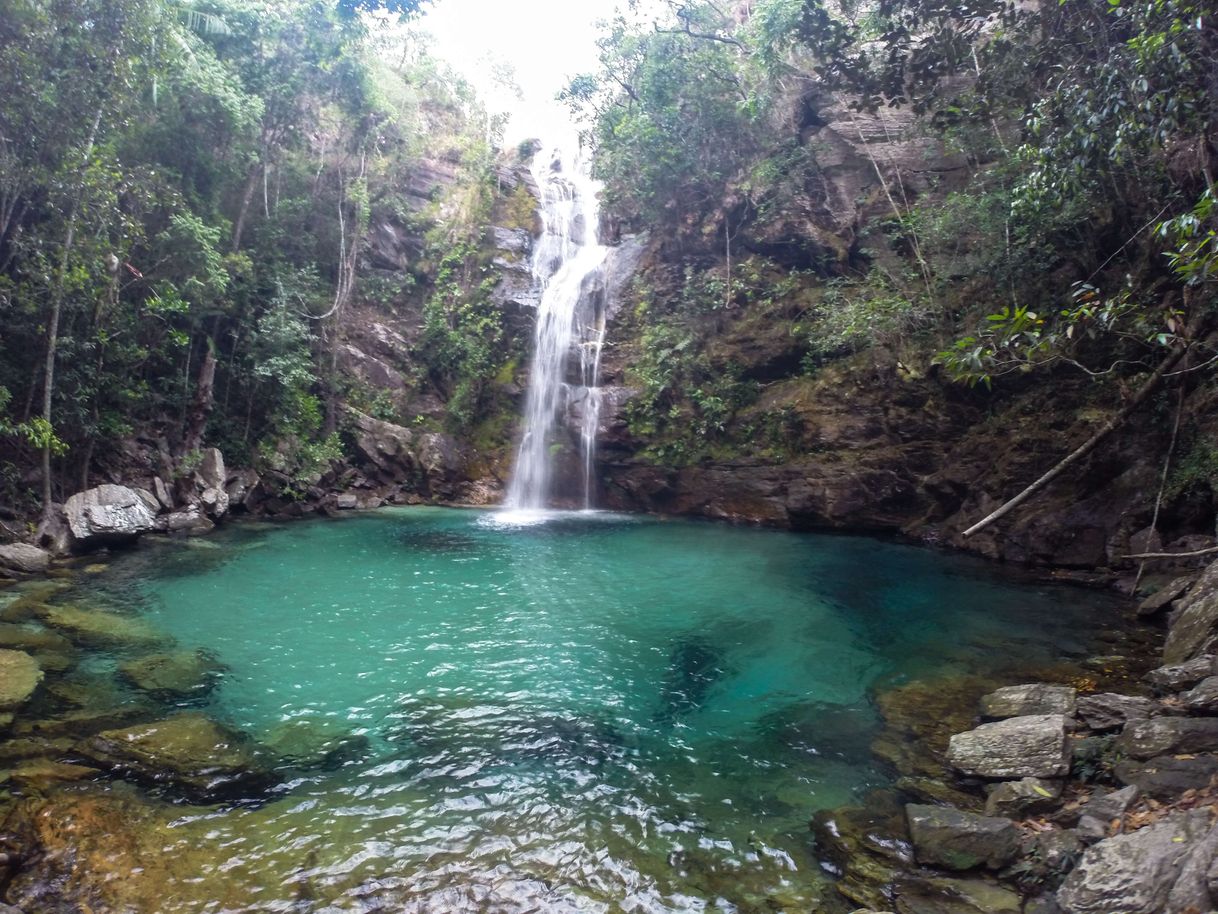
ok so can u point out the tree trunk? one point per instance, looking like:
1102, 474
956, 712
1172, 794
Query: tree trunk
247, 199
204, 399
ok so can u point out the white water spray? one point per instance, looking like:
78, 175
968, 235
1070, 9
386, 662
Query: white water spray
567, 266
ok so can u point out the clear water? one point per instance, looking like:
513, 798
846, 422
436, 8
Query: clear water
596, 713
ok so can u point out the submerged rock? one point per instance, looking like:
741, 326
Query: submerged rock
957, 896
19, 677
694, 667
188, 752
98, 628
309, 743
183, 674
1032, 746
1024, 700
1134, 873
955, 840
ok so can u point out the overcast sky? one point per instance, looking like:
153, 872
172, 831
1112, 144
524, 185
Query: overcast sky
546, 41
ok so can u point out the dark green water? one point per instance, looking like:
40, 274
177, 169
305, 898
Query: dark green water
593, 714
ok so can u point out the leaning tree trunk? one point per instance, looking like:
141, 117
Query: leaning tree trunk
201, 405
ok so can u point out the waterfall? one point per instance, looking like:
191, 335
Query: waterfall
567, 268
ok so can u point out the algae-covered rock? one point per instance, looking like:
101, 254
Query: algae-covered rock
178, 675
956, 896
1033, 698
41, 774
189, 752
19, 677
1032, 746
956, 840
311, 743
99, 628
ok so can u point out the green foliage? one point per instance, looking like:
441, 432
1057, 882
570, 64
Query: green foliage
1197, 468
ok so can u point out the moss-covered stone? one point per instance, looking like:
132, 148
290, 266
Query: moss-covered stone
19, 677
174, 676
98, 628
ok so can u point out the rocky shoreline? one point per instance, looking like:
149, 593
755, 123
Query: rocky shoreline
1085, 798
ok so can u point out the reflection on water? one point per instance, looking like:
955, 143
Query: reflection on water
593, 713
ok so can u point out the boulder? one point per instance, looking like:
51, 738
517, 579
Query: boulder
24, 558
1163, 597
1145, 739
1177, 676
96, 628
19, 677
41, 774
191, 522
162, 493
1203, 696
189, 752
172, 677
109, 514
1031, 746
211, 473
955, 840
214, 502
1111, 805
1194, 631
1134, 873
1165, 778
1017, 799
1024, 700
347, 502
243, 490
1110, 710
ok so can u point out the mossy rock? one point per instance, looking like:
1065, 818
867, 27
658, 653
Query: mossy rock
190, 753
19, 678
310, 743
98, 628
174, 676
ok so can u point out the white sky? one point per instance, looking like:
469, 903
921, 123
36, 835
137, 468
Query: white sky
545, 41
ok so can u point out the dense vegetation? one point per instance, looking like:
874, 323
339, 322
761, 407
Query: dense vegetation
185, 190
1076, 232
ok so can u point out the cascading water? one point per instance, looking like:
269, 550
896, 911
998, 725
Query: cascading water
567, 267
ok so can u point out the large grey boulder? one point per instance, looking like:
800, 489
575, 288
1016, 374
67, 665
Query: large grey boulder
1145, 739
24, 558
1166, 777
1033, 698
1203, 696
1032, 746
1136, 873
110, 514
956, 840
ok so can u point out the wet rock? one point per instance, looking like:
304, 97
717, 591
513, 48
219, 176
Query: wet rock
19, 678
97, 628
1163, 597
41, 774
1109, 710
321, 744
1144, 739
1032, 746
175, 676
955, 840
1165, 778
866, 846
1017, 799
920, 718
1133, 873
188, 752
80, 723
1176, 676
933, 791
191, 522
1203, 696
1194, 631
1024, 700
24, 558
109, 514
957, 896
32, 640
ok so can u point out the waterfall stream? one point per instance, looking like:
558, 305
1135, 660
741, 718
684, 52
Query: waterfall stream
568, 260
